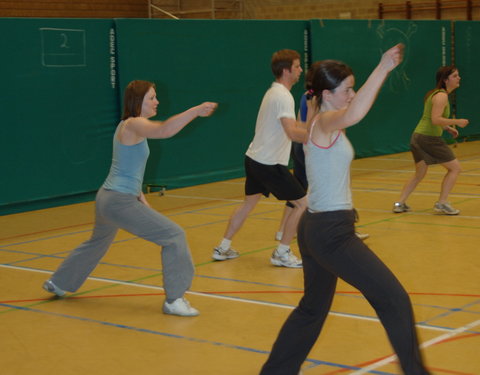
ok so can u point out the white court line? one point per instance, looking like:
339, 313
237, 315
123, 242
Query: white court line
426, 344
457, 195
374, 158
408, 171
226, 298
375, 191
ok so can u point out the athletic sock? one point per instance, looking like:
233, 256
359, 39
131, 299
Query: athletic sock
282, 249
225, 244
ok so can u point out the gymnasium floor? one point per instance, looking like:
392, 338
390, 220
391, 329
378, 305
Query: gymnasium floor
114, 323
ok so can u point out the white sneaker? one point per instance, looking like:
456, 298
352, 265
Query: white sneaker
286, 260
50, 287
180, 307
445, 208
220, 254
362, 236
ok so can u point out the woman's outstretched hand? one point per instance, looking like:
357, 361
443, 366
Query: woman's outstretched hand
207, 108
393, 57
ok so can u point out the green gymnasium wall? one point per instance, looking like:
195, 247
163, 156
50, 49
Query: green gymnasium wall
63, 79
467, 59
58, 107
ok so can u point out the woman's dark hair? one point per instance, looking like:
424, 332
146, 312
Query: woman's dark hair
440, 77
326, 75
133, 98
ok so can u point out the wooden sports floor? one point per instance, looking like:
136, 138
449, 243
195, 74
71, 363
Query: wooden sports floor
114, 323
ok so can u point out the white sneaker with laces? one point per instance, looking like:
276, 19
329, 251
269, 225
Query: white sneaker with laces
286, 260
180, 307
50, 287
220, 254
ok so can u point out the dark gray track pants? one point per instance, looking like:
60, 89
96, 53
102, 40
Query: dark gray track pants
331, 250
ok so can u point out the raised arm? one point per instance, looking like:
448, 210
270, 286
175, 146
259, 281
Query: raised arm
143, 127
365, 97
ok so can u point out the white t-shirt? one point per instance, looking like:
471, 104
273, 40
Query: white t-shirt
271, 144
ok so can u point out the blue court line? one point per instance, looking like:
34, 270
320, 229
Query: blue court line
455, 310
175, 336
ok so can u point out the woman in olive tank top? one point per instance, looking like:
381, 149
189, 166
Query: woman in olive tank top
427, 145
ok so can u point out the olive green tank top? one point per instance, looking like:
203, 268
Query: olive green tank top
425, 125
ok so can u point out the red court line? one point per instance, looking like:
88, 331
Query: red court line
339, 292
470, 335
436, 369
360, 365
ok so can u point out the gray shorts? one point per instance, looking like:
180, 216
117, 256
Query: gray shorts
430, 149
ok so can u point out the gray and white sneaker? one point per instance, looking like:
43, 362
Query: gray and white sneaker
445, 208
286, 260
220, 254
50, 287
180, 307
400, 207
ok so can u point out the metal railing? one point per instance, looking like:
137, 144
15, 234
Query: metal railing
408, 8
233, 8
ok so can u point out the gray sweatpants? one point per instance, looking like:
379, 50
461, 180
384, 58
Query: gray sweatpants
114, 210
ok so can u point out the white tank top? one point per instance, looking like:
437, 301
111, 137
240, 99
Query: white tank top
328, 174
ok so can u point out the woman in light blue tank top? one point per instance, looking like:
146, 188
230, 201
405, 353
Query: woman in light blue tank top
121, 204
326, 235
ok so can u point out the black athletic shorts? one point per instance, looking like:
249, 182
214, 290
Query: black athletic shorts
276, 179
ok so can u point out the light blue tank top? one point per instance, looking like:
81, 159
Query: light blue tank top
328, 174
128, 167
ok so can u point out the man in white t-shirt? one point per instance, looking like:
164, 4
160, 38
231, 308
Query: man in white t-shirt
266, 160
